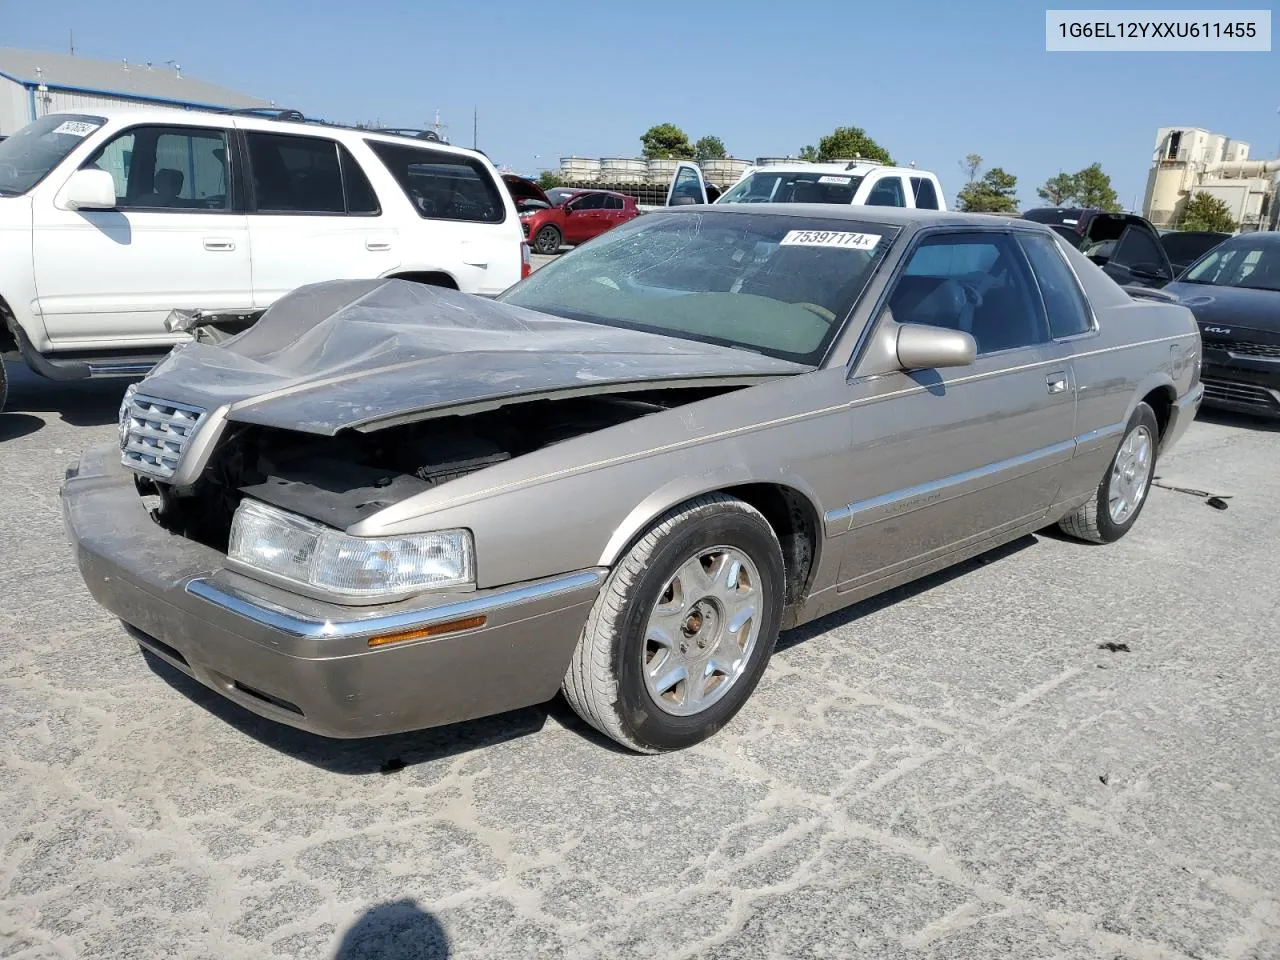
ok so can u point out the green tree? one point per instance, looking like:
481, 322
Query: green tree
970, 166
1206, 212
995, 192
1057, 191
1093, 189
848, 143
809, 152
709, 148
549, 179
666, 140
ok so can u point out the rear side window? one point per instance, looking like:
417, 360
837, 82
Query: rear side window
615, 203
1063, 299
356, 186
926, 196
295, 174
887, 192
441, 185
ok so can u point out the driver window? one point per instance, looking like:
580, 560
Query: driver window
978, 283
1137, 248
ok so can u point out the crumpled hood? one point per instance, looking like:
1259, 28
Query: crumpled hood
366, 353
1230, 306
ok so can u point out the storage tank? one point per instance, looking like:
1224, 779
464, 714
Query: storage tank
661, 170
726, 170
623, 170
579, 169
1164, 195
769, 161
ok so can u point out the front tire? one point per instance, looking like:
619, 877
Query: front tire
682, 629
548, 240
1122, 493
4, 385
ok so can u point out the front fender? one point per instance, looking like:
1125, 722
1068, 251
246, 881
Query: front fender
685, 488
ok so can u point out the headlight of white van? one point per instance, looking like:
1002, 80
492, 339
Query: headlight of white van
307, 553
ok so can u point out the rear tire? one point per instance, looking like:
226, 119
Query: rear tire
4, 385
1122, 493
548, 240
658, 618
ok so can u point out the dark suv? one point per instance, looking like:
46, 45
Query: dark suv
1125, 245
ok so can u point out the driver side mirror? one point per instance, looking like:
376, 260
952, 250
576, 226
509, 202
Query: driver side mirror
88, 190
922, 347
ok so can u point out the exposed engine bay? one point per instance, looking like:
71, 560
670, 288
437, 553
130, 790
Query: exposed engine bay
343, 479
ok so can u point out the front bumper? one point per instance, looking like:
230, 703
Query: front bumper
1240, 381
307, 663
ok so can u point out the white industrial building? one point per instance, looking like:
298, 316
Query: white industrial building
34, 83
1189, 160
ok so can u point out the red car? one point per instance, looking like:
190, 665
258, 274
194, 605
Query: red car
577, 220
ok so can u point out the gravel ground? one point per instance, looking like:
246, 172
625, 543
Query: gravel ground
1055, 751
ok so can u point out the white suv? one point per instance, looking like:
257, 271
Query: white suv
110, 221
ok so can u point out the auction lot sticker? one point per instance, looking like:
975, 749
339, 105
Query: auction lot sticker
1233, 31
830, 238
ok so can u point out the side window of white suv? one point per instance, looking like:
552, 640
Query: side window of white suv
167, 168
292, 174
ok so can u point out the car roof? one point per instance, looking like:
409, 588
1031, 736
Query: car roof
1255, 236
254, 120
855, 169
891, 216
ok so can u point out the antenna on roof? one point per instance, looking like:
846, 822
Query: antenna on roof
177, 67
71, 39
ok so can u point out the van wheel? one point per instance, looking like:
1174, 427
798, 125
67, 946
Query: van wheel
683, 628
4, 385
548, 240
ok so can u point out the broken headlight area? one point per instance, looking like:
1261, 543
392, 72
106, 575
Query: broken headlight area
341, 480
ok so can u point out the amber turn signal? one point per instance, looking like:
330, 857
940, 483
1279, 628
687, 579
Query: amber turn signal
423, 633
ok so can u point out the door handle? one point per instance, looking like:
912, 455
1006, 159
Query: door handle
377, 245
1056, 382
218, 243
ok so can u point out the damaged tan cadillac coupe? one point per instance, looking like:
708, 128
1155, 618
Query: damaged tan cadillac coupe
388, 506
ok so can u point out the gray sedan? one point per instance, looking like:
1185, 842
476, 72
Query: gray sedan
387, 506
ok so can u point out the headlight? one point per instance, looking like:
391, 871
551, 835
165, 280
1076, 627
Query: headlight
125, 409
307, 553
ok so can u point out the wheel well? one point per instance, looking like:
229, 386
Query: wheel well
1160, 400
8, 341
796, 524
432, 278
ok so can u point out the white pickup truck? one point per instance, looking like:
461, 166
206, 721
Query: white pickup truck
110, 221
863, 182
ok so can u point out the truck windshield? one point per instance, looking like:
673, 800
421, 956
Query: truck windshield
793, 186
27, 157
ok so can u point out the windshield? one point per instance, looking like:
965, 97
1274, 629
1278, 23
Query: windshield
793, 186
1254, 264
776, 285
27, 157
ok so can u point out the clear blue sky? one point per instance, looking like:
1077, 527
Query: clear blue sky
931, 80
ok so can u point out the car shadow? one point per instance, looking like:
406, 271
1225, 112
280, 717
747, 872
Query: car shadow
854, 613
395, 930
15, 425
79, 403
385, 754
1232, 418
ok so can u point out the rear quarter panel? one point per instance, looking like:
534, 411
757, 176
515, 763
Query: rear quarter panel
1140, 347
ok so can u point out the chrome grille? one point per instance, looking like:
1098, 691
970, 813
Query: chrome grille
154, 433
1245, 349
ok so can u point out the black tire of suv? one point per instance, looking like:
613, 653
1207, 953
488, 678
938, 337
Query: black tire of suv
4, 385
548, 240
